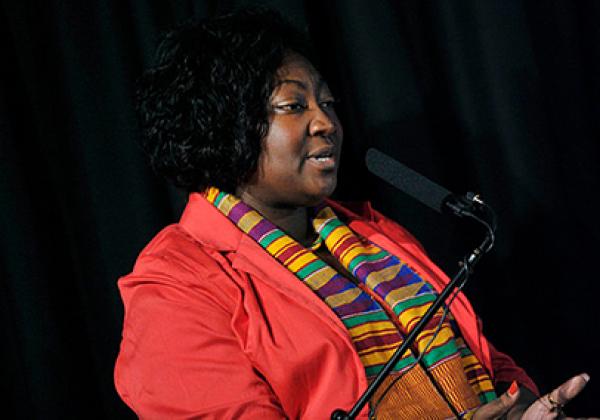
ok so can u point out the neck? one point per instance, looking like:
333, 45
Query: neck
292, 220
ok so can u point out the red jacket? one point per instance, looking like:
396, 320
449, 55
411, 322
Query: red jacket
216, 328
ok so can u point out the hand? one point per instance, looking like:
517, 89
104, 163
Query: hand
547, 407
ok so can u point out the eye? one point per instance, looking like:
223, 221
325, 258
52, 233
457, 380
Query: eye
328, 103
290, 107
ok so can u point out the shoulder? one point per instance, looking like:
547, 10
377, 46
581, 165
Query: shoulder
176, 267
173, 251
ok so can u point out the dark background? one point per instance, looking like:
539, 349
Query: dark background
499, 97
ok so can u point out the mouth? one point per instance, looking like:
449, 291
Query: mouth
324, 158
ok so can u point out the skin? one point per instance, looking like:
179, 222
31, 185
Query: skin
303, 124
512, 406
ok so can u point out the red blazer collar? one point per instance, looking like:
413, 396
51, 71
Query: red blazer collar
211, 228
208, 226
201, 219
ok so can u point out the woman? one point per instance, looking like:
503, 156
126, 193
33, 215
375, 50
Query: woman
267, 300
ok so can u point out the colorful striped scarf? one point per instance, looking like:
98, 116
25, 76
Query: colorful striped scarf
384, 304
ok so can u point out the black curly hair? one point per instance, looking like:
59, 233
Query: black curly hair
203, 105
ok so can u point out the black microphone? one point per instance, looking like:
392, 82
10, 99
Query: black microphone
418, 187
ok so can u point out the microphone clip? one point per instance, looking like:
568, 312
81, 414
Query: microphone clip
463, 205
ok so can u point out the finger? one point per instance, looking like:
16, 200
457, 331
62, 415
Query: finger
567, 391
582, 418
500, 406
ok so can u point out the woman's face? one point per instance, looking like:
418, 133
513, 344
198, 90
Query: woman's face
301, 151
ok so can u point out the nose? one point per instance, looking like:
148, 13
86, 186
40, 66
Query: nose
324, 123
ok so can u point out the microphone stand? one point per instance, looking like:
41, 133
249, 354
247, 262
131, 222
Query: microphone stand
466, 267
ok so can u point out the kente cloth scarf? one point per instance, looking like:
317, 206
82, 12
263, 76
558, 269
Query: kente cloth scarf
385, 303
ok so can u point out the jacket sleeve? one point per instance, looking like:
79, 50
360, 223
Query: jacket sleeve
180, 357
506, 371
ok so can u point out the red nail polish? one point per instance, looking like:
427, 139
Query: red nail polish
514, 387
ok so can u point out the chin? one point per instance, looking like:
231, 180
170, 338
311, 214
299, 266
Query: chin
323, 192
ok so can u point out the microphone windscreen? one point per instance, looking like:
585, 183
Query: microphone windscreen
406, 180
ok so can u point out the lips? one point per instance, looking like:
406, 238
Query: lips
323, 157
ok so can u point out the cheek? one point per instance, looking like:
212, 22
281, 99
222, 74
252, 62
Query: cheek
284, 140
277, 168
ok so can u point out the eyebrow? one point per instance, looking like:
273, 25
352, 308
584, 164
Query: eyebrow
319, 83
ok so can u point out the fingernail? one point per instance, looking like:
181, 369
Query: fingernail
514, 387
586, 377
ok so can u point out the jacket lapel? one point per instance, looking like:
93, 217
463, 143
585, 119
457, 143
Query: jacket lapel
201, 219
252, 259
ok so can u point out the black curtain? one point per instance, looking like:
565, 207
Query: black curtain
498, 97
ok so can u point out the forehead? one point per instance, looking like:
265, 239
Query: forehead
297, 67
